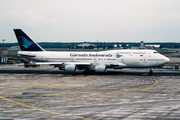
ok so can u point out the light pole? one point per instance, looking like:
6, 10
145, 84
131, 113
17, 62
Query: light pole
3, 41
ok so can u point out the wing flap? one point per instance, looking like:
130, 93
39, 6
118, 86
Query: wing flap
115, 64
79, 63
60, 63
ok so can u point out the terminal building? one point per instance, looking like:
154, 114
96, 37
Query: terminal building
3, 55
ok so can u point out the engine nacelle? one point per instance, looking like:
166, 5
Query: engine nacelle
70, 68
100, 69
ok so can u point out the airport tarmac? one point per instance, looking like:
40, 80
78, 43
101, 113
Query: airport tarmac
47, 93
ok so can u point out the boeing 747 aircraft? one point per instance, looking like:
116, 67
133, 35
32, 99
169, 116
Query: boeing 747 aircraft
88, 61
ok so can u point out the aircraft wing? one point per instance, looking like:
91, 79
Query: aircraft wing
81, 63
116, 64
60, 63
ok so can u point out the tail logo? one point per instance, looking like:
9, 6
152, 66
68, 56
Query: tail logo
24, 42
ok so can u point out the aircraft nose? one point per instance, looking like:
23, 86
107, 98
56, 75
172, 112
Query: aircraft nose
167, 59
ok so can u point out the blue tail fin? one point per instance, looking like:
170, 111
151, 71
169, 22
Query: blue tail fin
26, 43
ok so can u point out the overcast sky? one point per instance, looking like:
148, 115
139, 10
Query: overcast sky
91, 20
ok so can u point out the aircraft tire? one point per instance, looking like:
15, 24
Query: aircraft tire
151, 72
88, 71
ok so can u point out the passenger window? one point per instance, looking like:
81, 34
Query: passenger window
156, 52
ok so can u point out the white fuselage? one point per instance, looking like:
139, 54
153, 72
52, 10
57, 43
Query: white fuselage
129, 58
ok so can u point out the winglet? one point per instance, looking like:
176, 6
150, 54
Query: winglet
26, 43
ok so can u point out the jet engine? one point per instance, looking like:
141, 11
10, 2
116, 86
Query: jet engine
100, 69
70, 68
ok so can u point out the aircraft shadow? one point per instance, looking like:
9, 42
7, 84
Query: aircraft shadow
119, 73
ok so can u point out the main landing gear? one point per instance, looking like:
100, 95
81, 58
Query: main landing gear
88, 71
151, 71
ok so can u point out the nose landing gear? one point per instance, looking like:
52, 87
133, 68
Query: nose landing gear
151, 71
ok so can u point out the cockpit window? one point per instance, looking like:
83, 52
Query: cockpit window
156, 52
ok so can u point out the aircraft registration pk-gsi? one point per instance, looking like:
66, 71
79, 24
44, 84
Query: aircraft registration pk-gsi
88, 61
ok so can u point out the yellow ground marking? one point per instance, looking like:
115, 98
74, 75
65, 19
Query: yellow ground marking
23, 114
137, 88
160, 88
43, 110
5, 118
19, 119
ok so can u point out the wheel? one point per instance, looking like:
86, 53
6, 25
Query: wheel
33, 65
88, 71
26, 66
151, 72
